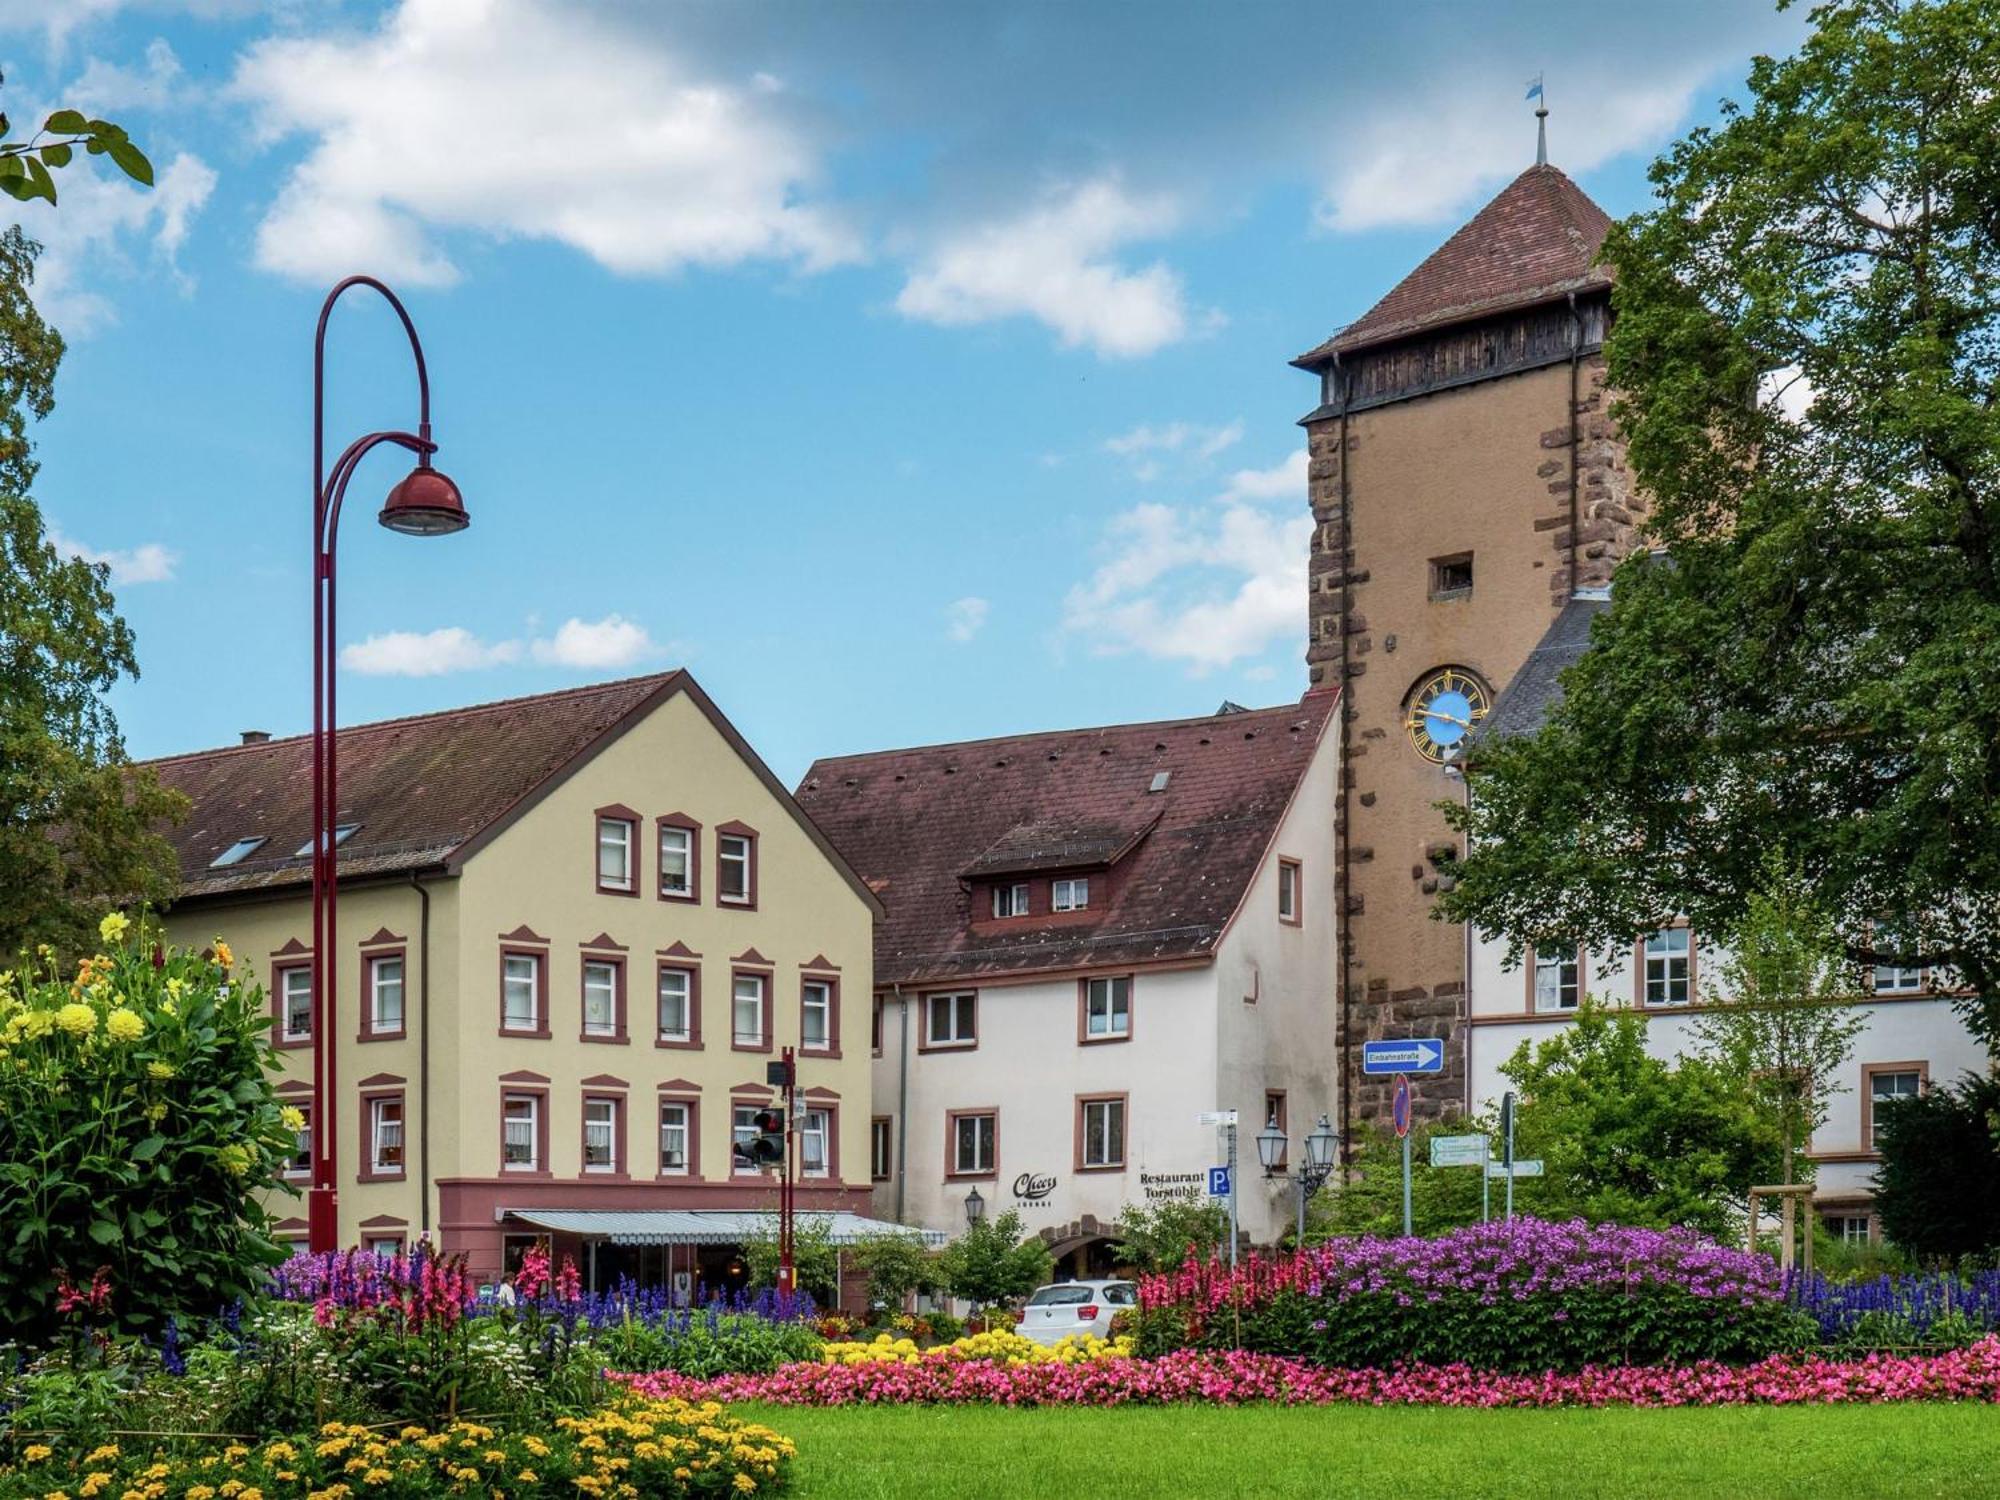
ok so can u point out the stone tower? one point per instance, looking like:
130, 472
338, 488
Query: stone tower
1465, 481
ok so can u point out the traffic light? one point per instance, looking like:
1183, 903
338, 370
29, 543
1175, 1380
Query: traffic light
767, 1147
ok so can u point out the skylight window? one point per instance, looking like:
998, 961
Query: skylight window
1160, 779
340, 836
242, 849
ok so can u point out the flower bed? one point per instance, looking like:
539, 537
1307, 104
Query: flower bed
1525, 1296
641, 1447
1889, 1311
999, 1348
1235, 1379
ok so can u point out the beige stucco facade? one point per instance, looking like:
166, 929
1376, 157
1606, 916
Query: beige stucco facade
530, 888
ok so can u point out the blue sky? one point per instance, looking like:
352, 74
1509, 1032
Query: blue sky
910, 373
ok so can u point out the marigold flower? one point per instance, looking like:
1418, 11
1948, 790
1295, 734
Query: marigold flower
124, 1025
113, 927
36, 1453
222, 954
77, 1019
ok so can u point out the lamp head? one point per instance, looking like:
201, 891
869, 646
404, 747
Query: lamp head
975, 1206
426, 503
1271, 1146
1321, 1143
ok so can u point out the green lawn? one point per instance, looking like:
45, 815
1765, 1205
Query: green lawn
1399, 1453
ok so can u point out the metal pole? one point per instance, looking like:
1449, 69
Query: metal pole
1485, 1179
1510, 1166
1406, 1185
1231, 1128
1302, 1213
323, 1202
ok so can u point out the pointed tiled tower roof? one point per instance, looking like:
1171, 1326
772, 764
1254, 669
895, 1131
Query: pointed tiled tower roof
1533, 243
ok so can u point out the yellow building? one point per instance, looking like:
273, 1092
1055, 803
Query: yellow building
573, 931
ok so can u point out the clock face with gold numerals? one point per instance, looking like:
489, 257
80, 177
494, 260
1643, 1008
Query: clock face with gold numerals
1443, 710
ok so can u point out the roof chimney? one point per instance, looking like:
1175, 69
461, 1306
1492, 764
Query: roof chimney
256, 736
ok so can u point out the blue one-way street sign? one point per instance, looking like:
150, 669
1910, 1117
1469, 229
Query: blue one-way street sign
1416, 1055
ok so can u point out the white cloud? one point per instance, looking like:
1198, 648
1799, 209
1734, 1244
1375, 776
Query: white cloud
1144, 443
586, 645
964, 617
1284, 480
1454, 140
86, 240
150, 562
524, 118
613, 641
107, 88
1058, 263
1205, 585
1788, 390
432, 653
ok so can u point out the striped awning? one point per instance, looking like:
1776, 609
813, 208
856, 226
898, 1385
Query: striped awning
702, 1226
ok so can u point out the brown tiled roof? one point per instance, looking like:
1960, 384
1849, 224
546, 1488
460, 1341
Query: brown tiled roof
1533, 243
427, 791
914, 822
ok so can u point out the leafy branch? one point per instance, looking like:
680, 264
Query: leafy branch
26, 166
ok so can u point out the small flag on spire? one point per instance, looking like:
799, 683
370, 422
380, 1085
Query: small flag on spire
1535, 87
1541, 120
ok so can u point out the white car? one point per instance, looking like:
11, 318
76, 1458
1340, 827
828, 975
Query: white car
1084, 1308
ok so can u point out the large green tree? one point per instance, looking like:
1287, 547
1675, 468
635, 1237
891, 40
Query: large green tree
1815, 663
78, 826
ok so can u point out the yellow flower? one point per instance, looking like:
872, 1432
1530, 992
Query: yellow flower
159, 1070
377, 1476
201, 1492
527, 1476
36, 1453
223, 956
94, 1481
98, 1455
77, 1020
235, 1161
156, 1113
113, 927
124, 1025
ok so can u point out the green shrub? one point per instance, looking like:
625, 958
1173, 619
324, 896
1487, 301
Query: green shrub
138, 1127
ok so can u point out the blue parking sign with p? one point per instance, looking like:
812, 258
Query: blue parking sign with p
1218, 1182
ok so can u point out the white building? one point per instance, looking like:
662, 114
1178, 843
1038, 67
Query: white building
1092, 938
1911, 1037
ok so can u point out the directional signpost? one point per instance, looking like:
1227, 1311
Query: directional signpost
1415, 1055
1400, 1109
1459, 1150
1529, 1167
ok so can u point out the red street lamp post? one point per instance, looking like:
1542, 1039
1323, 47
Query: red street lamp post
425, 503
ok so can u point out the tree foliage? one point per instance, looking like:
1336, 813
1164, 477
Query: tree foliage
991, 1262
1630, 1138
140, 1130
78, 826
1165, 1235
1816, 665
815, 1260
897, 1266
1938, 1188
1623, 1137
1784, 1016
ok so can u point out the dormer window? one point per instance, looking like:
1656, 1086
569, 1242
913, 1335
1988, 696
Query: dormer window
1069, 895
1010, 900
241, 850
340, 836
